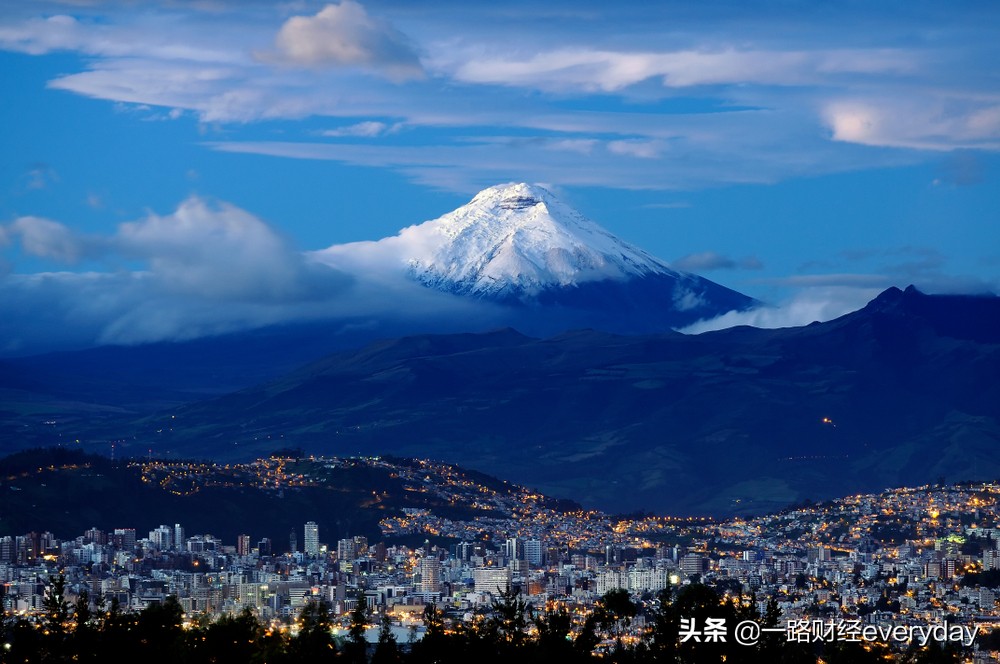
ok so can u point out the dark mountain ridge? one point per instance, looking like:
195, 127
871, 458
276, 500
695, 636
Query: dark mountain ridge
901, 392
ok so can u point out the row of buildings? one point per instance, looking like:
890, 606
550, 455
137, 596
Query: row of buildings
904, 557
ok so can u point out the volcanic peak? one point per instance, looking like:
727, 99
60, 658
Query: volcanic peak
520, 239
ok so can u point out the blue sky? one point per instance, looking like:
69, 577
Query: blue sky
166, 164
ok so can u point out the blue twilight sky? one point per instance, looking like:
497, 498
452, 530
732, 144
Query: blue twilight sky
166, 164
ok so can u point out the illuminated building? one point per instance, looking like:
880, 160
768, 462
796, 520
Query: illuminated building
310, 539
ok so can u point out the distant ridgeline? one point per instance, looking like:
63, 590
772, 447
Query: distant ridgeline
739, 421
67, 491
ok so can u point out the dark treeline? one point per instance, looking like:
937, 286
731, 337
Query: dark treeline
510, 631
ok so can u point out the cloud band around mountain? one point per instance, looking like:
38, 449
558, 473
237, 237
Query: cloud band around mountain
207, 268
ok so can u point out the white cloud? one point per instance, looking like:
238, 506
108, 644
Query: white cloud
823, 297
346, 35
211, 251
819, 303
206, 268
927, 122
60, 32
769, 98
217, 93
38, 36
219, 252
223, 93
699, 150
637, 148
610, 71
47, 239
368, 129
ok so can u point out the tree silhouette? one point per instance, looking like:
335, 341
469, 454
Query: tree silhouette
554, 627
55, 623
159, 633
386, 650
315, 638
356, 647
228, 639
615, 611
587, 639
665, 634
435, 646
509, 622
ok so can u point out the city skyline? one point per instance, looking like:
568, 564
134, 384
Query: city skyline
893, 570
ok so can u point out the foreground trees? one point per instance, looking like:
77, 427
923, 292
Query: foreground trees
691, 625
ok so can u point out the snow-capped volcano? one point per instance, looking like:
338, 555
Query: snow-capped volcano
517, 244
515, 241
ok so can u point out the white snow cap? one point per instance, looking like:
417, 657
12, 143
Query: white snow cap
519, 239
510, 241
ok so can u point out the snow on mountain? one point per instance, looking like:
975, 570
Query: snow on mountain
513, 238
519, 244
518, 240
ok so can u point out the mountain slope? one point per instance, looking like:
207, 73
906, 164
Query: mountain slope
736, 420
67, 491
515, 241
520, 246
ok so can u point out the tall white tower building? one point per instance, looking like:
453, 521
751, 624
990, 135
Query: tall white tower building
311, 539
430, 576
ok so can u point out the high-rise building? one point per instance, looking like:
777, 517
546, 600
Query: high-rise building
124, 538
293, 542
162, 537
178, 537
991, 559
492, 579
949, 567
8, 549
818, 554
47, 543
310, 539
463, 550
694, 563
345, 549
533, 552
514, 549
430, 576
96, 536
243, 545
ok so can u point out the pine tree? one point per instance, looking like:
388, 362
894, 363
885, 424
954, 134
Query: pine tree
356, 648
553, 635
56, 620
509, 623
434, 647
315, 639
386, 650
